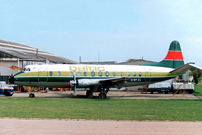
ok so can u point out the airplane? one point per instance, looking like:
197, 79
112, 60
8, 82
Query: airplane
99, 78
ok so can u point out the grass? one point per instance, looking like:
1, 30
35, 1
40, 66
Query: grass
97, 109
108, 109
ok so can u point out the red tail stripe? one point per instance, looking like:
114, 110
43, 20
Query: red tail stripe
174, 55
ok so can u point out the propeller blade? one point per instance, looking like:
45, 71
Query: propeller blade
74, 76
74, 83
74, 90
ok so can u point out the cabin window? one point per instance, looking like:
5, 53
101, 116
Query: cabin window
100, 73
92, 73
59, 73
114, 73
107, 73
85, 73
121, 73
51, 73
79, 73
128, 73
134, 74
71, 73
140, 74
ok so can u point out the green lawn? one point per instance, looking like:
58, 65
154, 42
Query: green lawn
108, 109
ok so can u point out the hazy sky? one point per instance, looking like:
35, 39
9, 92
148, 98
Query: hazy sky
116, 29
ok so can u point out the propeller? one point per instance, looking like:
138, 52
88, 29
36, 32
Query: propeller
74, 83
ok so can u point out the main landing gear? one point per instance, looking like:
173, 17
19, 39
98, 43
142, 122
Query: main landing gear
98, 88
102, 95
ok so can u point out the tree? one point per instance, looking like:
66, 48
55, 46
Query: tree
196, 75
129, 60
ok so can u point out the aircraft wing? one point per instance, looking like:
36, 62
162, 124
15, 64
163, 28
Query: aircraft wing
117, 82
184, 68
114, 80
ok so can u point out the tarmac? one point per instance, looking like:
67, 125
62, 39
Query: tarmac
91, 127
14, 126
110, 95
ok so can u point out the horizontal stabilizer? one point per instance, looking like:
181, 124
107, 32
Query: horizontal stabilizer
184, 68
194, 67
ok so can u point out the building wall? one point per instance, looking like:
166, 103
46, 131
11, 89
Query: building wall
6, 72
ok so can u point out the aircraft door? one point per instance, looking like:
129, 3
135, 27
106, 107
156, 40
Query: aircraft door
147, 74
42, 74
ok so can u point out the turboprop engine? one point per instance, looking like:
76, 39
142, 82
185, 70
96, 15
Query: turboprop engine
83, 83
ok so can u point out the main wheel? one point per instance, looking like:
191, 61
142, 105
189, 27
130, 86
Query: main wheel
190, 92
102, 95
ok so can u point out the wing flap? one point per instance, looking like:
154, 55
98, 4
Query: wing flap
115, 79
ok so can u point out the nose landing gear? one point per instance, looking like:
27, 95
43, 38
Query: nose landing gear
31, 95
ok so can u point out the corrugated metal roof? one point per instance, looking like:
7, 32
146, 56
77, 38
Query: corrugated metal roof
136, 62
26, 52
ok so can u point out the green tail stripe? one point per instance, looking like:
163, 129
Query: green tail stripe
175, 46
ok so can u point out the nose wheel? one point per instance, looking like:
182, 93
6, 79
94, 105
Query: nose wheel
31, 95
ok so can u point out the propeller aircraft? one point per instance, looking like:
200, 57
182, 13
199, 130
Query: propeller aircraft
99, 78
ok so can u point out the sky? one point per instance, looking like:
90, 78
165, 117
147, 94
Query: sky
105, 30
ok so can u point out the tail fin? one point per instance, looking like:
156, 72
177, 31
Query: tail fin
174, 58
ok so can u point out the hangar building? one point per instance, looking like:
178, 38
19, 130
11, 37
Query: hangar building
15, 56
136, 62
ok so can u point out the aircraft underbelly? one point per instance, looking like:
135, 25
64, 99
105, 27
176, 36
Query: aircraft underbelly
44, 84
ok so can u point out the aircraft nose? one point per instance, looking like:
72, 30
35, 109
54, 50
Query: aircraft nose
11, 80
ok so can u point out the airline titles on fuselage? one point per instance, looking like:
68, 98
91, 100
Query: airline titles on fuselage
86, 68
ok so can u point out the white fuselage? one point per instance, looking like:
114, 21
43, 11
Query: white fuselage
59, 75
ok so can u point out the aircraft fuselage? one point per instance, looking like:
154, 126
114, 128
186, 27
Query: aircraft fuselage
59, 75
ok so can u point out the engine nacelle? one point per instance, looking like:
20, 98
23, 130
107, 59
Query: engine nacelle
83, 83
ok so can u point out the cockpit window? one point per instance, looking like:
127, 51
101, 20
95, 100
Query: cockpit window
26, 69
